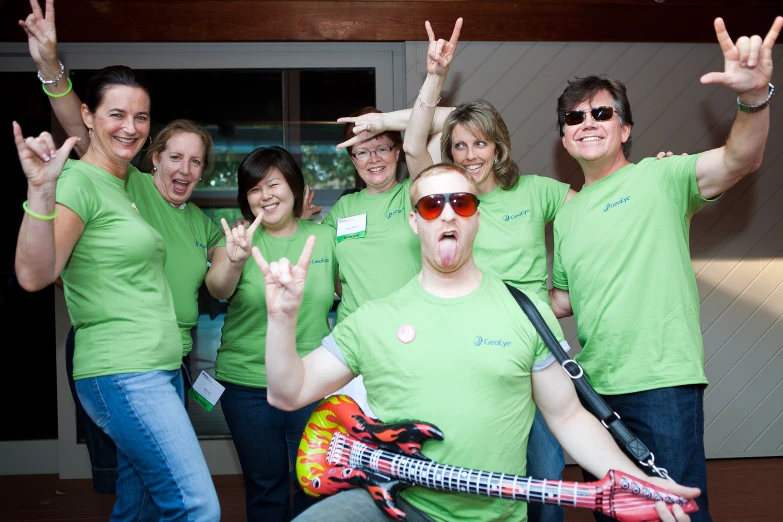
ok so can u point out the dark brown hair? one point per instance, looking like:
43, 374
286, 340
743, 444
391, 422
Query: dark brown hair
109, 77
585, 89
255, 168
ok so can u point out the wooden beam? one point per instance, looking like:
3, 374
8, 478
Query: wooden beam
395, 20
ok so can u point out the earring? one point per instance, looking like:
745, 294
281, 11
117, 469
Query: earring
496, 160
89, 132
155, 169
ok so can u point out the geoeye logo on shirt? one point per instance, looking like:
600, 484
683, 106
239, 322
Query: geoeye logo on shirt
199, 244
618, 202
479, 340
518, 214
393, 212
318, 261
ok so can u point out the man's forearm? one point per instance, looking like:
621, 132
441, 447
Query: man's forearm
587, 441
746, 143
284, 368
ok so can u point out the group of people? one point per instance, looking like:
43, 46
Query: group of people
419, 281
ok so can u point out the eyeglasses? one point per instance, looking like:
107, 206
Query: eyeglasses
464, 204
598, 114
382, 152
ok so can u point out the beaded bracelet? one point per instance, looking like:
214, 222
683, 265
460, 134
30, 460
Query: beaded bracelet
70, 86
56, 78
39, 216
422, 102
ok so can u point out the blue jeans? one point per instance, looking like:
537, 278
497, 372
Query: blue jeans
100, 447
266, 440
544, 460
157, 450
670, 422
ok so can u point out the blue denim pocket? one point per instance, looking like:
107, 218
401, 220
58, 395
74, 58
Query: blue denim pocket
92, 400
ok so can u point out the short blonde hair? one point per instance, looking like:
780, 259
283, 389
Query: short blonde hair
436, 170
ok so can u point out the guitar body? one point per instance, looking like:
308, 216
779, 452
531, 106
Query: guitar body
342, 448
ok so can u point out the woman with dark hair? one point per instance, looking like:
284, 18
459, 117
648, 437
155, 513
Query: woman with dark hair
270, 195
83, 227
179, 156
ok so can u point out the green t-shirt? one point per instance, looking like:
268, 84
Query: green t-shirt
117, 294
188, 234
510, 242
387, 256
621, 251
240, 358
467, 371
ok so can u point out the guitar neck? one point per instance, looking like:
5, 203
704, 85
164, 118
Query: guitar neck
418, 472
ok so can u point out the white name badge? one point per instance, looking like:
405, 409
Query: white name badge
206, 391
351, 227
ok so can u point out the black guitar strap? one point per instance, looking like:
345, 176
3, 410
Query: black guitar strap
594, 402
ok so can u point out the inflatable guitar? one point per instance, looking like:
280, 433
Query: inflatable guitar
341, 448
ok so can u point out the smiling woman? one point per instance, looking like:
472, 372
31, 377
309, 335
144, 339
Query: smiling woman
270, 194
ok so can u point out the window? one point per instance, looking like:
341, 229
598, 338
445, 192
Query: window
244, 109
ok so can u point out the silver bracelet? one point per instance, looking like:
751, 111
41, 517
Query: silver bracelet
56, 78
756, 108
422, 102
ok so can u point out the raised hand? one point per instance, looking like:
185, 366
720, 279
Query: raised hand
440, 52
42, 36
239, 240
365, 127
748, 63
41, 161
308, 209
284, 282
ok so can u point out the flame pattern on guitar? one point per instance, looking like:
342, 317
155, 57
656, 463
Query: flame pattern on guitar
341, 448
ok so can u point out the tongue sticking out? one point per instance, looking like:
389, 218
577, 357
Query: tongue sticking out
447, 247
179, 188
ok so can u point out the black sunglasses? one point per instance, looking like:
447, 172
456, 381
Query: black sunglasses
464, 204
598, 114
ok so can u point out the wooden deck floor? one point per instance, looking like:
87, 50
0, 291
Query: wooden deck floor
743, 490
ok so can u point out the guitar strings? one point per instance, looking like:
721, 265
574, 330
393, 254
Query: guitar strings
359, 455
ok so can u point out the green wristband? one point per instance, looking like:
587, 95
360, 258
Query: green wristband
39, 216
70, 86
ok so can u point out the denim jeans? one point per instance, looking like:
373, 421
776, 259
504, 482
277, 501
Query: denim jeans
356, 505
266, 440
670, 422
100, 447
157, 450
544, 460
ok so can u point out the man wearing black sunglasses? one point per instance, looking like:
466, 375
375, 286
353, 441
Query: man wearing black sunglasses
622, 261
452, 348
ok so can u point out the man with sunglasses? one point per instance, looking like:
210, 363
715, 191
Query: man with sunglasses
622, 260
452, 348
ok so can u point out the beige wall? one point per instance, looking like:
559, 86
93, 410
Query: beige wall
736, 243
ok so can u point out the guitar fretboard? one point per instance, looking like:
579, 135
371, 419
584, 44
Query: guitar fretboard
352, 453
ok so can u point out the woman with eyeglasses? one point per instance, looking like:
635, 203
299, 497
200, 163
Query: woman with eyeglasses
270, 195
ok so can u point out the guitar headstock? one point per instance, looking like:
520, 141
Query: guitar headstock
631, 499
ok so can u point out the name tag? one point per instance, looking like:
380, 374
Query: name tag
206, 391
351, 227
